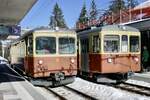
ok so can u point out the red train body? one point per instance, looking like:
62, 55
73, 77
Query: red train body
112, 51
47, 54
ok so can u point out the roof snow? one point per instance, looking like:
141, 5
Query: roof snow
143, 5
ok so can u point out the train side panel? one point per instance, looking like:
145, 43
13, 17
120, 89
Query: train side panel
112, 50
120, 63
53, 65
17, 53
43, 65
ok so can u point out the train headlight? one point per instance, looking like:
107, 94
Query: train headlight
72, 60
136, 59
40, 62
109, 60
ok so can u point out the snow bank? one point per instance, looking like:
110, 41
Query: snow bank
103, 92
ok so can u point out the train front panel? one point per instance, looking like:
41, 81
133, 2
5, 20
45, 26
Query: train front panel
53, 55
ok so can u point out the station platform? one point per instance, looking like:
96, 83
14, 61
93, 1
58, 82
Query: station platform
15, 87
145, 76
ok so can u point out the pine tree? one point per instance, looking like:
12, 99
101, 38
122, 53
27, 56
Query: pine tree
93, 10
117, 5
83, 15
52, 23
132, 3
57, 19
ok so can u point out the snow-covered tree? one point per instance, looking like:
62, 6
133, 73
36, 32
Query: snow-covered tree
83, 15
57, 19
117, 5
93, 10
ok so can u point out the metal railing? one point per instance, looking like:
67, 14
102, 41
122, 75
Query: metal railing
123, 16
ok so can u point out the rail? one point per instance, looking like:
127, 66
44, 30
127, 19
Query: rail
142, 90
67, 93
55, 93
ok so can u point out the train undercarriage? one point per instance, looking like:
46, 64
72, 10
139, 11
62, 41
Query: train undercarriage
54, 79
107, 77
51, 82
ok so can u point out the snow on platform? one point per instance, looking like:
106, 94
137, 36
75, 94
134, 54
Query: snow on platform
47, 94
138, 82
3, 60
15, 87
104, 92
145, 74
145, 77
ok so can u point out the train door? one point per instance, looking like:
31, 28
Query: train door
145, 40
85, 55
29, 55
135, 52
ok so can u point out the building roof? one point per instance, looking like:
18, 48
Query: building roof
13, 11
145, 4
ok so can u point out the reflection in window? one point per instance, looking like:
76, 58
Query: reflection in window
124, 43
96, 44
66, 45
45, 45
134, 44
111, 43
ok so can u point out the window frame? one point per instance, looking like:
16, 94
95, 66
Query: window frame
69, 38
30, 46
138, 44
97, 46
49, 52
122, 44
119, 44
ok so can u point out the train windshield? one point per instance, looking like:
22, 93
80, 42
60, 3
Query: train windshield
111, 43
66, 45
45, 45
134, 44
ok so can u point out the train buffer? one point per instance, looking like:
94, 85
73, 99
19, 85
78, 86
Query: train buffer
15, 87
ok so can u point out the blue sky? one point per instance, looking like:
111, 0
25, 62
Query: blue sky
40, 13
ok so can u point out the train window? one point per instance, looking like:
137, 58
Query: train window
124, 43
45, 45
111, 43
22, 48
96, 44
134, 43
30, 45
66, 45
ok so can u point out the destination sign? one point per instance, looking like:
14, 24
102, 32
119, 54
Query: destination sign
10, 30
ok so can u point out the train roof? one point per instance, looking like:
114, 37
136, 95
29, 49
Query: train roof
50, 30
119, 28
44, 30
110, 28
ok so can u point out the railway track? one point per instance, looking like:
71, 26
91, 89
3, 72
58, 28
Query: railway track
142, 90
68, 93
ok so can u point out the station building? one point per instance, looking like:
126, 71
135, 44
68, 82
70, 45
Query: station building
12, 12
143, 24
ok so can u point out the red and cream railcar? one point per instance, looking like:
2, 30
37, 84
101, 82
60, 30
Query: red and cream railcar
45, 53
112, 51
